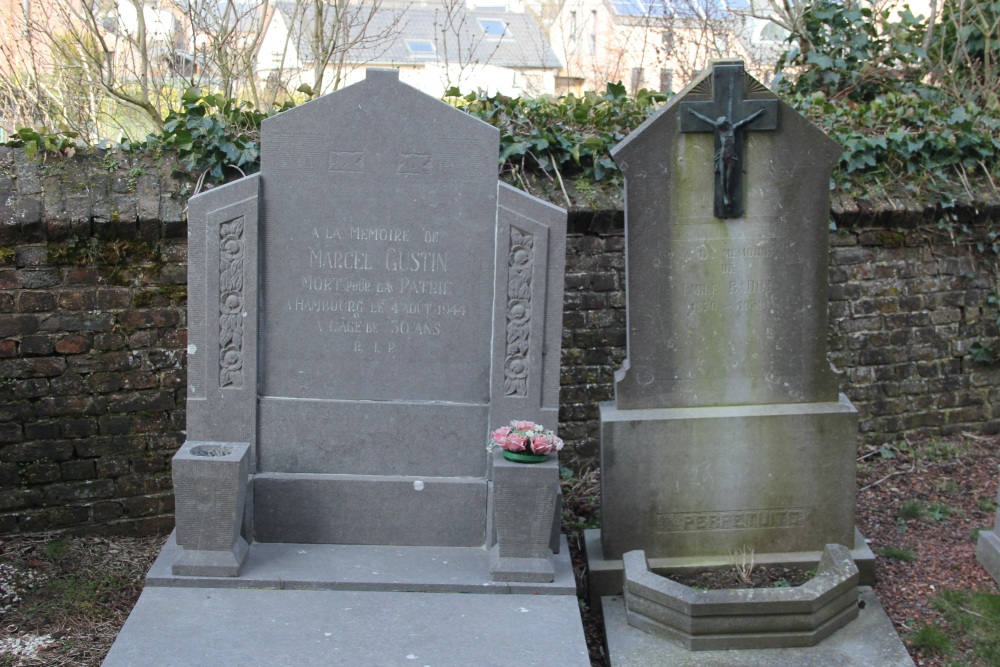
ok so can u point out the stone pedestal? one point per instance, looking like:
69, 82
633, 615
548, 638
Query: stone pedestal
210, 482
988, 547
776, 478
524, 506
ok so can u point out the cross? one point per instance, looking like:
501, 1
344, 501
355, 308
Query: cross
729, 116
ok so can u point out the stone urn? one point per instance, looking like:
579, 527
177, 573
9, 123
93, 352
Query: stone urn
210, 486
525, 499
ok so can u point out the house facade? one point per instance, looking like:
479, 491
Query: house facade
657, 44
497, 48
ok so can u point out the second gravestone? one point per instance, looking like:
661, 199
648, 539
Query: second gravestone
727, 433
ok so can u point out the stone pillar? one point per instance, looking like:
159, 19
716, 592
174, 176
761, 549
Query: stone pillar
524, 506
210, 483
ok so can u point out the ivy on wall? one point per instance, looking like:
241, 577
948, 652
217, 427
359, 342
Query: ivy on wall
912, 107
912, 101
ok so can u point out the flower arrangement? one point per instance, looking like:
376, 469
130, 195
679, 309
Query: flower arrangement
524, 437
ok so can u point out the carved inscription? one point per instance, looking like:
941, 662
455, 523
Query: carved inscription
521, 259
689, 522
347, 161
231, 303
379, 286
414, 163
738, 291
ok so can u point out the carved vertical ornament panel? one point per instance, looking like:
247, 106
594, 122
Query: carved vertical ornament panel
231, 249
522, 259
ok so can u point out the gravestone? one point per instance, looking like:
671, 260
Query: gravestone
727, 434
727, 430
399, 303
362, 313
988, 546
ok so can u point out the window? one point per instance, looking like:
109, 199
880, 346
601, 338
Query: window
592, 46
721, 44
666, 81
572, 25
636, 79
651, 8
668, 40
493, 27
420, 46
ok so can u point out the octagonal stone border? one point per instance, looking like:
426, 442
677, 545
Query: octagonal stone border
743, 618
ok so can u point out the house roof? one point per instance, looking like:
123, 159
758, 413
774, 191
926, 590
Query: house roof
664, 9
500, 38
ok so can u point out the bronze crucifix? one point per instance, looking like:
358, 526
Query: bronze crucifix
729, 116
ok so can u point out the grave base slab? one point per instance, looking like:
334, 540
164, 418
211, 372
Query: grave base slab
988, 552
206, 627
366, 568
606, 574
868, 640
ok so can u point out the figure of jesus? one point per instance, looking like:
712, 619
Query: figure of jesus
726, 157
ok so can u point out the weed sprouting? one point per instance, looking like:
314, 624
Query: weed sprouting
56, 548
743, 563
939, 511
911, 510
902, 554
931, 639
581, 498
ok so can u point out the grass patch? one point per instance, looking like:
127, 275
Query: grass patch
986, 505
939, 450
77, 596
931, 639
939, 511
911, 510
947, 486
903, 554
976, 615
56, 548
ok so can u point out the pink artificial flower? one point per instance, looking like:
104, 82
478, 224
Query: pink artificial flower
542, 443
524, 426
500, 434
515, 442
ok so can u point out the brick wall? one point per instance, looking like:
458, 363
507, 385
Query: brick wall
92, 334
905, 309
93, 266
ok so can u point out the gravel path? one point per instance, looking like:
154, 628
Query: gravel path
929, 500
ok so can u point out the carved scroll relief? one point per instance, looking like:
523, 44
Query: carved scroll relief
521, 260
231, 248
